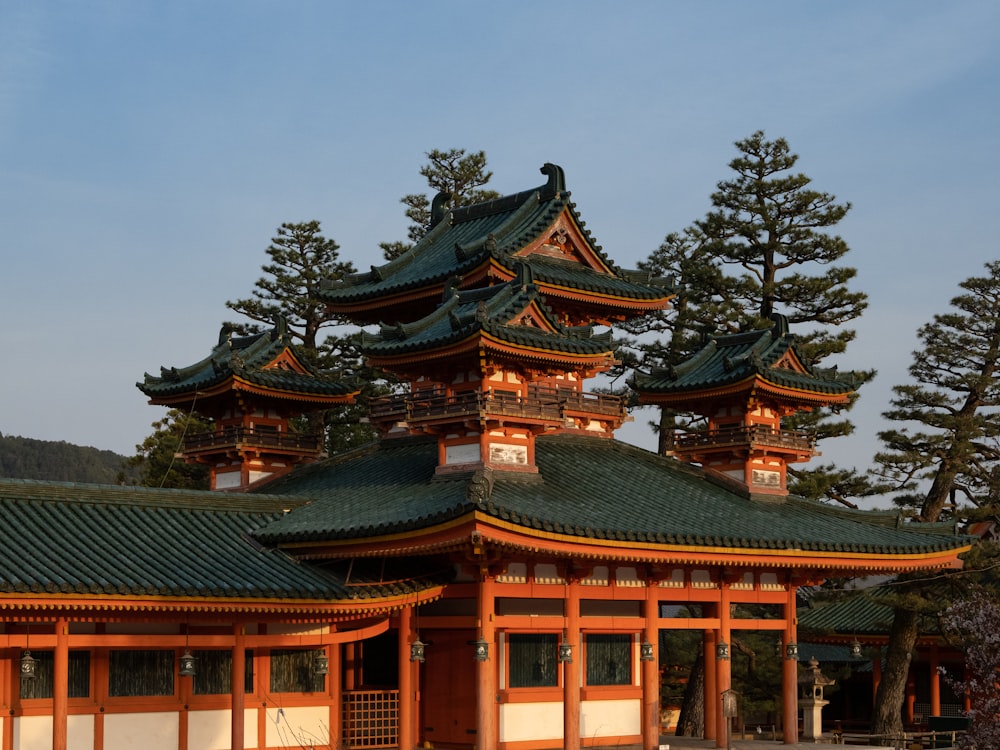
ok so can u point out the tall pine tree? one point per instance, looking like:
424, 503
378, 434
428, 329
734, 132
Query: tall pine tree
945, 454
454, 172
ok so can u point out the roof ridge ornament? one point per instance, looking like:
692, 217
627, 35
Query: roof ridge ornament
438, 205
557, 179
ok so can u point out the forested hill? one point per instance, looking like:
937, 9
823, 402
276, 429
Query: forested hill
59, 461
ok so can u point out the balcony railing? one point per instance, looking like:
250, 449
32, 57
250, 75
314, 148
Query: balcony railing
744, 436
235, 436
540, 403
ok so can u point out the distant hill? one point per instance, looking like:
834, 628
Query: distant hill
59, 461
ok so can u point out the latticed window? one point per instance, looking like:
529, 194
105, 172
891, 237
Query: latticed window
534, 660
292, 672
41, 685
135, 673
609, 659
214, 672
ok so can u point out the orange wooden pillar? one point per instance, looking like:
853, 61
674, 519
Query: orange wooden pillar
710, 699
723, 663
239, 695
650, 668
935, 681
405, 729
876, 670
790, 672
571, 668
336, 695
486, 671
60, 686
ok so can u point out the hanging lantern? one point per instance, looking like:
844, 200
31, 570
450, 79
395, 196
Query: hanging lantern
722, 650
792, 650
187, 664
29, 665
320, 663
417, 650
856, 649
482, 652
778, 646
565, 653
646, 651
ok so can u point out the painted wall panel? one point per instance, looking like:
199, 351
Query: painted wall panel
212, 730
298, 726
150, 731
530, 721
610, 718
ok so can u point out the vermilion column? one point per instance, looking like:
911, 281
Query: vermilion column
650, 669
790, 673
239, 678
60, 685
571, 669
486, 671
336, 694
710, 699
405, 728
935, 681
723, 679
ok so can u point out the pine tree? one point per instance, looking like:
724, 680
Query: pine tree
301, 260
459, 175
954, 396
156, 457
764, 248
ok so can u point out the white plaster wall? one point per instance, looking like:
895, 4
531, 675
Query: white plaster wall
521, 722
610, 718
150, 731
31, 732
530, 721
212, 730
299, 726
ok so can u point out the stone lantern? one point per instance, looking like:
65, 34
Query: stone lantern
812, 683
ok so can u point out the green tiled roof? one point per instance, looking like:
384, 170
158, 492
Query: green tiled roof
66, 538
863, 613
467, 237
588, 487
734, 358
492, 311
243, 357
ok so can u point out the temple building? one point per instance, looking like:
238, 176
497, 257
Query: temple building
492, 573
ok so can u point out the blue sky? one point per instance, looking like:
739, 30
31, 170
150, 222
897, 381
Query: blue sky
149, 150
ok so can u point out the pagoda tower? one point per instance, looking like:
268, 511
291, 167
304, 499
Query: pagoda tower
744, 384
251, 388
490, 319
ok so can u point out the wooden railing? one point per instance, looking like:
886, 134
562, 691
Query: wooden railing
370, 718
540, 403
232, 436
746, 435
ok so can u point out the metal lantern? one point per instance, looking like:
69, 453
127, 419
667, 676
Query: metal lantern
565, 653
792, 650
646, 651
417, 650
187, 664
482, 652
320, 663
856, 649
778, 646
722, 650
29, 665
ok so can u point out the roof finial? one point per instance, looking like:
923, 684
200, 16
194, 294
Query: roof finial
557, 178
441, 200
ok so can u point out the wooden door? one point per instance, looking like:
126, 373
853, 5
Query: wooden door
448, 690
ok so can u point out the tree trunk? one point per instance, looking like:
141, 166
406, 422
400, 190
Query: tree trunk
887, 718
691, 722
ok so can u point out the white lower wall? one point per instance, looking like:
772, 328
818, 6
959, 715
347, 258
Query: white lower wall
35, 732
149, 731
298, 727
521, 722
212, 730
611, 718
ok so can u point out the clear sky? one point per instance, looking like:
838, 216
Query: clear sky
149, 150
